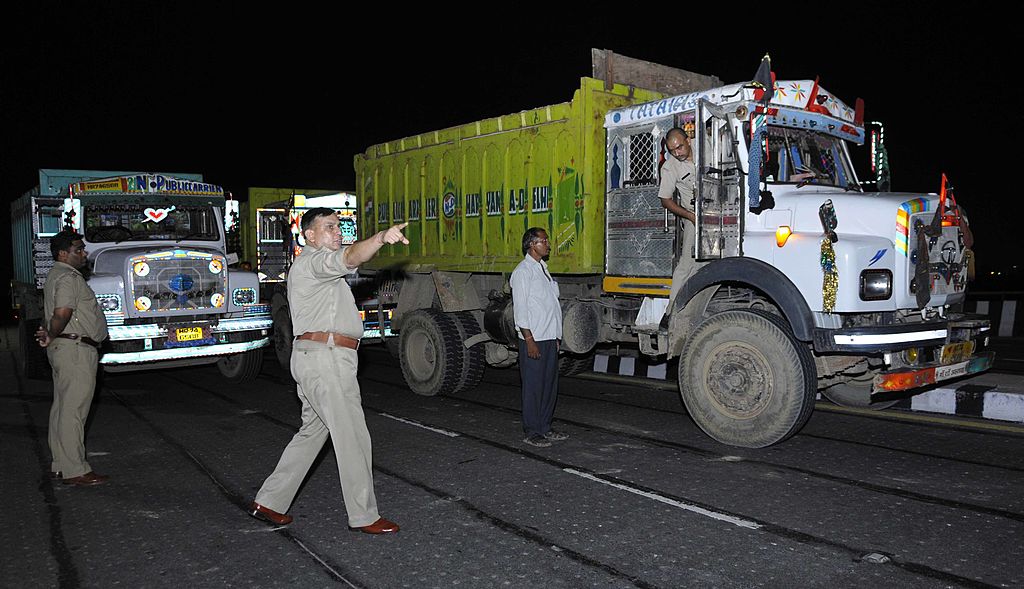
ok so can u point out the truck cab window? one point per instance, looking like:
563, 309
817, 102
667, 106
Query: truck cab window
798, 156
138, 222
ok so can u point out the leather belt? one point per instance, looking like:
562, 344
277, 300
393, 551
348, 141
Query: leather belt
81, 338
329, 337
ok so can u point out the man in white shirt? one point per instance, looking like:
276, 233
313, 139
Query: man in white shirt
538, 317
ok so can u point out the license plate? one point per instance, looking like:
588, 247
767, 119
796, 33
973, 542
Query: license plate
188, 334
957, 352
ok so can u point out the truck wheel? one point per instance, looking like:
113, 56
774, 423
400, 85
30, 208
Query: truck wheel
856, 393
242, 367
570, 364
430, 352
473, 360
745, 380
283, 338
30, 357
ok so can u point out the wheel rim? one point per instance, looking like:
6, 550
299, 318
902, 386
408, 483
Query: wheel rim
739, 380
421, 355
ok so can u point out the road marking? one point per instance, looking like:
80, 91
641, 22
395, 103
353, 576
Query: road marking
662, 499
338, 575
443, 432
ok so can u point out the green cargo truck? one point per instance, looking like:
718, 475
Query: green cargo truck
758, 329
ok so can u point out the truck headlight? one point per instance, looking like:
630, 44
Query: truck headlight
109, 303
875, 285
243, 296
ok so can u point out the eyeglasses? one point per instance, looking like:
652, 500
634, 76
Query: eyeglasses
540, 241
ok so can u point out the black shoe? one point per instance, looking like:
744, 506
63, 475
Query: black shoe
536, 440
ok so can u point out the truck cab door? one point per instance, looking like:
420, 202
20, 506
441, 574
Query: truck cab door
641, 237
272, 244
720, 185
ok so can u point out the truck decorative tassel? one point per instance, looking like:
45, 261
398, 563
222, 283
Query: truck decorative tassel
830, 284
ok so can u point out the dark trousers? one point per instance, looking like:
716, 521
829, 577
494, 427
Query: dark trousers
540, 386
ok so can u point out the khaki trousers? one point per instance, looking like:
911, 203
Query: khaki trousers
331, 406
686, 265
74, 383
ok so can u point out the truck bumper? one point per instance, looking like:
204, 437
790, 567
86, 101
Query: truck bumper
147, 356
892, 338
139, 344
912, 377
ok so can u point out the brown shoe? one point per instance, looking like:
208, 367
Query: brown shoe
269, 515
381, 526
88, 479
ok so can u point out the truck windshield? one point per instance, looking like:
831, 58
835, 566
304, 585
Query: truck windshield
115, 223
804, 157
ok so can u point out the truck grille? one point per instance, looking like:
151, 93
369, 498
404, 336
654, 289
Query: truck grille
178, 280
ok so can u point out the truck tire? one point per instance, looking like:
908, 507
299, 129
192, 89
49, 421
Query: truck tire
430, 352
473, 360
30, 356
745, 380
243, 367
283, 338
570, 364
856, 393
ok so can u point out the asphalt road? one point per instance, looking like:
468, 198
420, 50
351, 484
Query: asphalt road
638, 496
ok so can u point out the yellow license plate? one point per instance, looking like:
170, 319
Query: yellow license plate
189, 334
957, 352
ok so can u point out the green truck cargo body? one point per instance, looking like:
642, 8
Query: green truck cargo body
469, 192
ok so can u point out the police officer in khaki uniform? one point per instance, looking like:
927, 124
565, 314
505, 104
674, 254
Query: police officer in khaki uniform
71, 335
679, 176
324, 362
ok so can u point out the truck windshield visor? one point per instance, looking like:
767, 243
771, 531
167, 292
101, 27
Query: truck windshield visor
116, 223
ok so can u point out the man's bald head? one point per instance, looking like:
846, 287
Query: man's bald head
678, 144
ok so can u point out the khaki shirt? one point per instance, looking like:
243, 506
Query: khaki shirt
319, 299
66, 288
681, 175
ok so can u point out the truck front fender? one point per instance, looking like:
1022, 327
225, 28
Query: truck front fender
758, 275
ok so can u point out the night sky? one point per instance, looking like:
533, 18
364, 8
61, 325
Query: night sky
284, 98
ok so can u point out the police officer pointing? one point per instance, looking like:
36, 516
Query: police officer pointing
324, 363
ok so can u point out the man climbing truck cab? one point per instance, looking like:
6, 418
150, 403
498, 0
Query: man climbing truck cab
820, 286
806, 282
160, 270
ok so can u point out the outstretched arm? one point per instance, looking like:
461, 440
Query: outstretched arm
363, 251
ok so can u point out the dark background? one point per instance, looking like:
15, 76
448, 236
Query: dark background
285, 98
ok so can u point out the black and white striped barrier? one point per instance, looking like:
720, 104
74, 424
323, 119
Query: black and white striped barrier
970, 400
1001, 309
